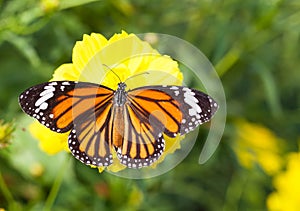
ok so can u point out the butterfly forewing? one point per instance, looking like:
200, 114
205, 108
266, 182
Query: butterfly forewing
57, 104
41, 102
177, 109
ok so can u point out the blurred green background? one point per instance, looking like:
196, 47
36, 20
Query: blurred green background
254, 46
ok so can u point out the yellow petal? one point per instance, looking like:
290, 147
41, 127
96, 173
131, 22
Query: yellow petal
84, 50
287, 185
65, 72
50, 142
171, 145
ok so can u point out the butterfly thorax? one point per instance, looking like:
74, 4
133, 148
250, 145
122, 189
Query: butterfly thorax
120, 95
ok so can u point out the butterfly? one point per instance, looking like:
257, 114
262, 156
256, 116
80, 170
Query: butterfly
130, 122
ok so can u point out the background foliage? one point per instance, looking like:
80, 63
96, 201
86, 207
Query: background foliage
254, 46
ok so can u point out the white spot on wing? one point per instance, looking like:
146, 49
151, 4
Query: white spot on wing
44, 106
52, 84
174, 87
48, 90
43, 99
192, 112
65, 83
191, 101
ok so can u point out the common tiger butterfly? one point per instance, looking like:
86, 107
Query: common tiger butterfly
130, 122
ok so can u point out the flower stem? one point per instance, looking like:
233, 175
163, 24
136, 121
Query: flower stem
6, 193
235, 191
55, 187
12, 204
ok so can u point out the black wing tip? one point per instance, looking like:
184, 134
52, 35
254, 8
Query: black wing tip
213, 105
210, 104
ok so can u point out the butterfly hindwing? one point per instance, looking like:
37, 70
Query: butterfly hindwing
124, 153
141, 145
97, 153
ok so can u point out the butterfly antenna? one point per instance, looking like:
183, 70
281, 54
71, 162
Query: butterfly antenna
113, 72
136, 75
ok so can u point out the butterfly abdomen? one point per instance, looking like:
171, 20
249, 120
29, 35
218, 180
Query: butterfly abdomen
118, 126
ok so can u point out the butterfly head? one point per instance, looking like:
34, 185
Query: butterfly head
122, 86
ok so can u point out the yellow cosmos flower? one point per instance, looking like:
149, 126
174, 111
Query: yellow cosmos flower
257, 145
127, 56
287, 184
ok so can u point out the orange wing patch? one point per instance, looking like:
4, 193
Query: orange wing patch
158, 105
74, 103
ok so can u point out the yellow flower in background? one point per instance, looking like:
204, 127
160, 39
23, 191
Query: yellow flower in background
126, 55
49, 6
287, 185
257, 145
6, 131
